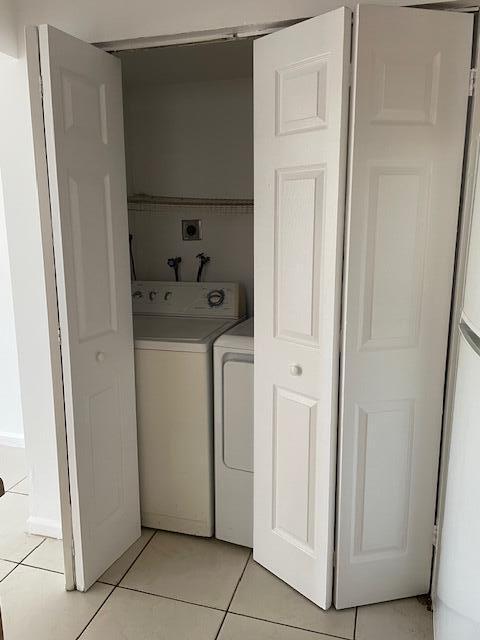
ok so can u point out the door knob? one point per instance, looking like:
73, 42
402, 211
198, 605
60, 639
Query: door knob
295, 370
100, 356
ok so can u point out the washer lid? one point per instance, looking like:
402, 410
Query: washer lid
239, 337
167, 332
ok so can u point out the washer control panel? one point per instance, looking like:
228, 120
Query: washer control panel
195, 299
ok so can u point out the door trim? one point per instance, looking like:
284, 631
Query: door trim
254, 30
197, 37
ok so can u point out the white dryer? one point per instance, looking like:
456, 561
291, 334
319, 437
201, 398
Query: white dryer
233, 384
175, 325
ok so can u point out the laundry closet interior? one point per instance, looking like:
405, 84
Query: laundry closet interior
188, 114
302, 186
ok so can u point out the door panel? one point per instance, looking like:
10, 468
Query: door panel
409, 104
383, 474
84, 134
294, 468
395, 255
301, 107
298, 236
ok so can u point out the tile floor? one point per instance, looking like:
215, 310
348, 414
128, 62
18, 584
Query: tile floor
169, 587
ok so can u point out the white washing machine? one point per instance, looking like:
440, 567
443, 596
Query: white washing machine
175, 325
233, 382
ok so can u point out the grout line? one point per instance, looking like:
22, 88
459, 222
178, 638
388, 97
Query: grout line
233, 595
133, 561
16, 564
355, 624
239, 580
114, 586
32, 566
96, 612
274, 621
221, 625
158, 595
289, 626
34, 549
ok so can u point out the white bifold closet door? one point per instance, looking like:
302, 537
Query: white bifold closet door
301, 108
408, 116
86, 162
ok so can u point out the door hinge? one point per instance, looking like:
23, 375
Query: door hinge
334, 558
40, 84
472, 81
435, 535
59, 336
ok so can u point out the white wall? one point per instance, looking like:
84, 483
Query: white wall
191, 139
189, 133
8, 32
28, 289
107, 20
226, 237
11, 425
93, 21
189, 120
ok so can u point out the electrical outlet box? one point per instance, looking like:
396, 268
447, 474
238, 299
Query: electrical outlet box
191, 230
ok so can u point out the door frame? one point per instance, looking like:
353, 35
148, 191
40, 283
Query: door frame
257, 29
40, 158
471, 158
41, 171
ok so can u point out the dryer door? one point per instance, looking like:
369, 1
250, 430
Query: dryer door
238, 415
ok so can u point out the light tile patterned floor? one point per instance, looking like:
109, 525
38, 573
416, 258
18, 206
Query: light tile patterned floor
170, 587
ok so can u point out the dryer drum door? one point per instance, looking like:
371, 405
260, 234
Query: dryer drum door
234, 447
238, 415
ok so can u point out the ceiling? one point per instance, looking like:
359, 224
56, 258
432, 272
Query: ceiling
188, 63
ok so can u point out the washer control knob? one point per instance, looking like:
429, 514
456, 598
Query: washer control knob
100, 356
216, 297
137, 294
152, 295
295, 370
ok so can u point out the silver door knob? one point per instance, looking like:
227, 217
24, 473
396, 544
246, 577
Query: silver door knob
295, 370
100, 357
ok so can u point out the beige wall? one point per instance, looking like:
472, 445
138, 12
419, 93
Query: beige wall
97, 21
11, 427
8, 29
193, 139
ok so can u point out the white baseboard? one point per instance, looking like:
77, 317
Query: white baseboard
44, 527
12, 440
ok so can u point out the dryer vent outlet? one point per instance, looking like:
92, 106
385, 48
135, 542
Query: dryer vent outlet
191, 230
